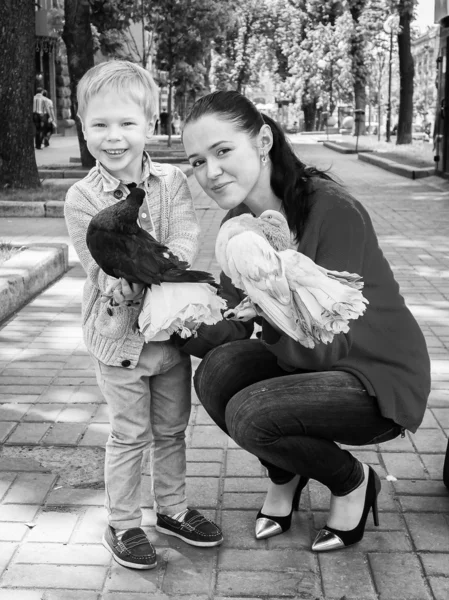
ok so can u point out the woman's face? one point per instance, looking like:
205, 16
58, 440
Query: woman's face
225, 160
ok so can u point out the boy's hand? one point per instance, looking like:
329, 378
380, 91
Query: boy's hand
123, 292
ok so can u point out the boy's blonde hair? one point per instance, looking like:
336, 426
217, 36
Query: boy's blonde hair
122, 77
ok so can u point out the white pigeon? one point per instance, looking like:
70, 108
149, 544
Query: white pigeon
308, 302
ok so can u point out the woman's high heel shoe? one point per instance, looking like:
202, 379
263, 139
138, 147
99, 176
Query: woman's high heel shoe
333, 539
268, 526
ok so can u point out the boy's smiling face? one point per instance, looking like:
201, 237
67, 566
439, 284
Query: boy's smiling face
116, 129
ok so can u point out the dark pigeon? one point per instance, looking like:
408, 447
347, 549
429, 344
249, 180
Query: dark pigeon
121, 248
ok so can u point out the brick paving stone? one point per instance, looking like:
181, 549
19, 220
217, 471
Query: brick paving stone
243, 500
12, 532
398, 576
7, 549
442, 416
77, 414
70, 595
18, 512
62, 554
43, 412
87, 394
288, 585
52, 526
189, 571
238, 529
247, 484
242, 464
429, 532
207, 454
12, 411
125, 580
54, 576
346, 576
75, 496
22, 594
425, 504
64, 434
403, 465
202, 493
57, 394
430, 440
6, 480
420, 488
433, 464
28, 433
101, 414
204, 469
18, 398
435, 564
90, 527
207, 436
299, 536
96, 435
29, 488
6, 427
290, 559
440, 587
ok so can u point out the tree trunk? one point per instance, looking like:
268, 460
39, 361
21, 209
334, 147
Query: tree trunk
17, 46
77, 36
357, 52
309, 109
169, 118
406, 73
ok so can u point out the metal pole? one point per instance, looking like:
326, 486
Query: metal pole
389, 86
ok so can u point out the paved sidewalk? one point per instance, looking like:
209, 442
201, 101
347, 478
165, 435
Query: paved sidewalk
53, 424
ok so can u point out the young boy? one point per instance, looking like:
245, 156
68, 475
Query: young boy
146, 385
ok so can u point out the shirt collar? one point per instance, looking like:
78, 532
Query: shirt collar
111, 183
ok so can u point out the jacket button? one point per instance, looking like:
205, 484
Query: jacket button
118, 193
126, 363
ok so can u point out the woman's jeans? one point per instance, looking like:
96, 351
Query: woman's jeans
291, 421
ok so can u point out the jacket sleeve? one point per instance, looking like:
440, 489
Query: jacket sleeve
183, 227
78, 212
211, 336
340, 247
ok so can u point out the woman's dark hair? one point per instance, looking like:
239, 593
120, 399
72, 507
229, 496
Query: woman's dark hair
289, 177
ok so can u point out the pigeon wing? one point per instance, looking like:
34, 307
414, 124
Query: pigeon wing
249, 258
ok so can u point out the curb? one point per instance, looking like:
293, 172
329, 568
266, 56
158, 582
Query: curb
397, 168
54, 208
29, 272
343, 149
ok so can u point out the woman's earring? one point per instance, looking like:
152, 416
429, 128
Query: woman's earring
264, 157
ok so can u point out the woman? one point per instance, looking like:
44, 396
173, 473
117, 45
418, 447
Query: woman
289, 405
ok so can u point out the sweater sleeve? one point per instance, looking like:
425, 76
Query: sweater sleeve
340, 247
78, 212
183, 227
211, 336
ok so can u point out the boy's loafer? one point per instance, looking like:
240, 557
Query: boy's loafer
133, 550
195, 529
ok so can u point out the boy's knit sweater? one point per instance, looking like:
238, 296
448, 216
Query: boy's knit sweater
385, 348
168, 214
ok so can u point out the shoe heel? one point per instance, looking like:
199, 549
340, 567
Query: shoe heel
375, 512
303, 481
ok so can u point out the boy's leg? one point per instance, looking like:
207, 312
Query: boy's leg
169, 416
170, 410
128, 397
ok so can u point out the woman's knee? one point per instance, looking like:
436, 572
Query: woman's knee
246, 422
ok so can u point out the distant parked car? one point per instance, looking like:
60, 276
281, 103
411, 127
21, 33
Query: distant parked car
418, 133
